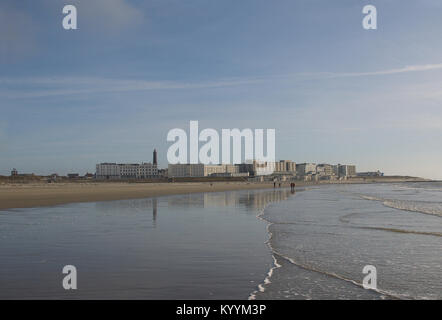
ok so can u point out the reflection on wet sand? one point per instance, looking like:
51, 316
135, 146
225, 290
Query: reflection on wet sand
195, 246
248, 199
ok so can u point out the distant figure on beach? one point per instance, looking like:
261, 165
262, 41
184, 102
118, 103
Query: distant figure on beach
292, 187
274, 184
280, 184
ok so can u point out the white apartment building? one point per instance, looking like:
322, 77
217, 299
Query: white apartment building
111, 171
108, 171
147, 170
201, 170
129, 170
185, 170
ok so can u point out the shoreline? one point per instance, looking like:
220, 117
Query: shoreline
15, 196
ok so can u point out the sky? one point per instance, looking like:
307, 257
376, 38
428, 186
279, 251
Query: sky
111, 90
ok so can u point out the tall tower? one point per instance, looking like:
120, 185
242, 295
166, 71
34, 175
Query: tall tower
155, 157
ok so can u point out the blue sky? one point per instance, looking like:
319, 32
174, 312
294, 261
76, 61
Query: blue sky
111, 90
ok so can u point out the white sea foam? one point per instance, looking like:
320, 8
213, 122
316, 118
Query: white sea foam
427, 207
433, 208
276, 265
371, 198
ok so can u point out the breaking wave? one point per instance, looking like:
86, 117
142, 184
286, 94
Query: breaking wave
427, 207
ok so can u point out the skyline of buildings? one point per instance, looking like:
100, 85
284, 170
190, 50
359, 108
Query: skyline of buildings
282, 169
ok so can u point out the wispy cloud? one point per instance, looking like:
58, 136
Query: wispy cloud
55, 86
59, 86
413, 68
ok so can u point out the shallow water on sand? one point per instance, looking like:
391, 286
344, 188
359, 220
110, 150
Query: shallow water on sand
196, 246
323, 238
213, 246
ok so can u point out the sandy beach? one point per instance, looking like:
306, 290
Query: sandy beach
38, 194
30, 195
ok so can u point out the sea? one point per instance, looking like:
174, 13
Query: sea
314, 243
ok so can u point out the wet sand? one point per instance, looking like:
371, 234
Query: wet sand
30, 195
38, 194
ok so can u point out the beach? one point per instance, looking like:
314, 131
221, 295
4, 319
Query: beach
40, 195
189, 246
245, 244
37, 194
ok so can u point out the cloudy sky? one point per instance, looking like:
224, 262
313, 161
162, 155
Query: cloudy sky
133, 70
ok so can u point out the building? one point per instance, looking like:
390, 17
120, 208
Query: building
114, 171
258, 168
202, 170
246, 168
128, 170
185, 170
162, 173
147, 170
263, 168
370, 174
324, 170
303, 169
345, 170
285, 166
108, 171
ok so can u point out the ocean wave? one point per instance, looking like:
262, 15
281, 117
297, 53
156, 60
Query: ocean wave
427, 186
427, 207
276, 265
433, 208
425, 233
382, 292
